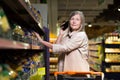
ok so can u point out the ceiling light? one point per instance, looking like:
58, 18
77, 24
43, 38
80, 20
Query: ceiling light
118, 9
89, 25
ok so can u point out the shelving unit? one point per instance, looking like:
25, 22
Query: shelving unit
21, 54
111, 59
53, 61
23, 14
53, 65
95, 55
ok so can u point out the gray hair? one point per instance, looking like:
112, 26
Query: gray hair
82, 28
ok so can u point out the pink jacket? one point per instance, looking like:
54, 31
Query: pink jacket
70, 58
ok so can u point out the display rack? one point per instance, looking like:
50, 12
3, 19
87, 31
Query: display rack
53, 61
21, 54
21, 13
111, 53
95, 54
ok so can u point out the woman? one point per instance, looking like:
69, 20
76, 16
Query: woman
71, 44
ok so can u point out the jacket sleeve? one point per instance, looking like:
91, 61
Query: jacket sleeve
77, 40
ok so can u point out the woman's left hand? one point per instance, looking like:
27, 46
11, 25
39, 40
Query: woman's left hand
61, 32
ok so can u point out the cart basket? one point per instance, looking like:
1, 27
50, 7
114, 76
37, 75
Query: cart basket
78, 75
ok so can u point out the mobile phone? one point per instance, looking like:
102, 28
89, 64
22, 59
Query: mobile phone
65, 25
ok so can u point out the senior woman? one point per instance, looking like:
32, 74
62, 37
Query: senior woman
71, 45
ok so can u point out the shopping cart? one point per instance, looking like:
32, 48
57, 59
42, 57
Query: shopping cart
79, 75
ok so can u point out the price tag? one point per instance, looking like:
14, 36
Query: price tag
41, 71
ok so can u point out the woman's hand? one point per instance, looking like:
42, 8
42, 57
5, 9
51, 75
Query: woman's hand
59, 38
38, 36
48, 44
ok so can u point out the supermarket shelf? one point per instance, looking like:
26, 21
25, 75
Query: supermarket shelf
95, 56
95, 43
113, 72
112, 45
19, 12
96, 62
93, 69
112, 42
110, 63
113, 62
36, 47
112, 50
53, 61
21, 54
24, 6
94, 50
9, 44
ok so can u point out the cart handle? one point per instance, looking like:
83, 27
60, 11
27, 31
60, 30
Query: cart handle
72, 73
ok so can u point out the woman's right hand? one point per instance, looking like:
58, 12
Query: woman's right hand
38, 36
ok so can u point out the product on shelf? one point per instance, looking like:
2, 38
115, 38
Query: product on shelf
27, 65
18, 62
111, 56
7, 73
18, 30
4, 25
112, 37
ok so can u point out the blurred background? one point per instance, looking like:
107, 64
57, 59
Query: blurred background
101, 16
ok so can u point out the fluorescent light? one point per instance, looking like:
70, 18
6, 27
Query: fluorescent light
118, 9
89, 25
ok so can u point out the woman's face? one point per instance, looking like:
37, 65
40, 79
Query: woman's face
75, 22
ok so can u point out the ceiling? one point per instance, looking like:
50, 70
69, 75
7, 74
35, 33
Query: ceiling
94, 10
90, 8
100, 13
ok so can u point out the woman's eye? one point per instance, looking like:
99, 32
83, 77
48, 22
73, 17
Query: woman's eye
72, 19
75, 19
